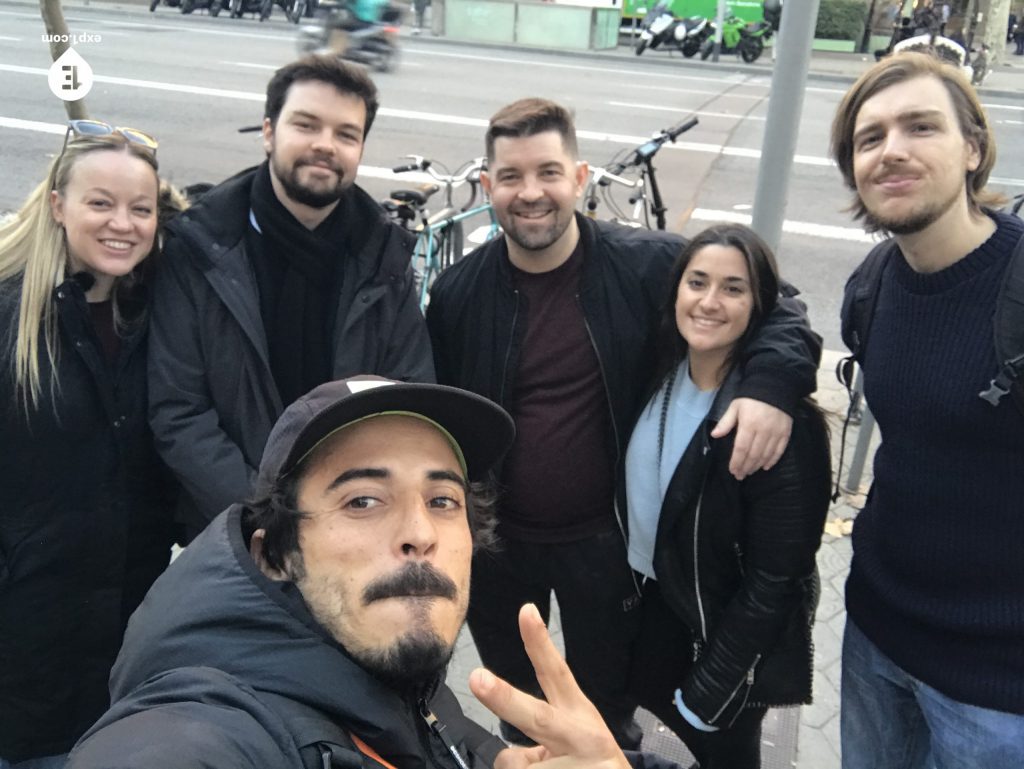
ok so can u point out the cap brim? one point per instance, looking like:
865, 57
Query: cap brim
483, 430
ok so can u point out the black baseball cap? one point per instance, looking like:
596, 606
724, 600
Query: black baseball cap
479, 430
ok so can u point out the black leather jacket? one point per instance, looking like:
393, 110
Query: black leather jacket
736, 561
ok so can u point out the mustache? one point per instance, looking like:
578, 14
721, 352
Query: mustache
319, 161
412, 580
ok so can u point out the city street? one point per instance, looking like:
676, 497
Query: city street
192, 81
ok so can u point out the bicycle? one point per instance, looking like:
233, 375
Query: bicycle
440, 238
645, 204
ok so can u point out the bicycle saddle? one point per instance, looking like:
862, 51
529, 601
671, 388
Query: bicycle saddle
415, 197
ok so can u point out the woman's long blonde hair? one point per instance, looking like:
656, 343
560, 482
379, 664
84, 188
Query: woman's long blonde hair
33, 247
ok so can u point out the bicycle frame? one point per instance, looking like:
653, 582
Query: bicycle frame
433, 244
439, 239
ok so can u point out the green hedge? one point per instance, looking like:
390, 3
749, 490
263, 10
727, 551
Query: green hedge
841, 19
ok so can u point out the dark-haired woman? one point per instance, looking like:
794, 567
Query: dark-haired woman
727, 567
85, 510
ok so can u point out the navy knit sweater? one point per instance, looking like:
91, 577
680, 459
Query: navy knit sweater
937, 580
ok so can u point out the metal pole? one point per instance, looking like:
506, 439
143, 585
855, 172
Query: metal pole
784, 106
718, 30
868, 28
867, 427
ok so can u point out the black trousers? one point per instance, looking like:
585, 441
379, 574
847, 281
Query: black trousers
598, 609
662, 658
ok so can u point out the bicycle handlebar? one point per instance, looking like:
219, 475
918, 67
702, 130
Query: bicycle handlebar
468, 172
648, 150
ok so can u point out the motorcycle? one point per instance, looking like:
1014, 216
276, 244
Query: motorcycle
333, 31
660, 26
187, 6
239, 8
738, 36
296, 10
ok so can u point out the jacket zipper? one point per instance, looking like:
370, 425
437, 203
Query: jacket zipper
508, 352
748, 681
439, 729
611, 414
696, 572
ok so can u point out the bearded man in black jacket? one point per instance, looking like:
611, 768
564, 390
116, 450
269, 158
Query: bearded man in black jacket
555, 321
282, 278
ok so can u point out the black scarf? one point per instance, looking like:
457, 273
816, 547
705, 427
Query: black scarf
298, 274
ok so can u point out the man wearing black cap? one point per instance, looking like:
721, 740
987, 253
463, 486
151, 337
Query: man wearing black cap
312, 626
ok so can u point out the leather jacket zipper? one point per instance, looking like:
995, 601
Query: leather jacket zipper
439, 729
748, 681
696, 571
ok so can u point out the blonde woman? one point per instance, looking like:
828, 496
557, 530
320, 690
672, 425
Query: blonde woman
84, 504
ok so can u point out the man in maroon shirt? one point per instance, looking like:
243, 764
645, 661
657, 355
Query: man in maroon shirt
555, 321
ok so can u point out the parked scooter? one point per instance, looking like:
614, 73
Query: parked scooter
187, 6
660, 26
297, 10
331, 31
738, 36
239, 8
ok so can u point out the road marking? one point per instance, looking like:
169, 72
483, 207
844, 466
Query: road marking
12, 39
688, 91
432, 117
828, 231
704, 113
731, 79
250, 65
32, 125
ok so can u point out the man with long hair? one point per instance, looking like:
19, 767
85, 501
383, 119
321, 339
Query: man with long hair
933, 655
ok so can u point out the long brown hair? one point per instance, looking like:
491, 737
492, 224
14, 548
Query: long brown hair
764, 286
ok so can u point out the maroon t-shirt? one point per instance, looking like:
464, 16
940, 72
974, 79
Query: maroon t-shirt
559, 476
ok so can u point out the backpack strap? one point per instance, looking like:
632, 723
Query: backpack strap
859, 306
1008, 329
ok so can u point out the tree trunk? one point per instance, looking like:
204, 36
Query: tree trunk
57, 30
993, 28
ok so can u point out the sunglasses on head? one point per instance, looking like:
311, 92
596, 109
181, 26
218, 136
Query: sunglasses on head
92, 129
97, 128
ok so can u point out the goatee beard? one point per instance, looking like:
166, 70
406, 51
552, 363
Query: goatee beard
302, 194
412, 663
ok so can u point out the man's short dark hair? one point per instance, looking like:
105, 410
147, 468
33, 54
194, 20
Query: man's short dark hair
277, 512
529, 117
347, 78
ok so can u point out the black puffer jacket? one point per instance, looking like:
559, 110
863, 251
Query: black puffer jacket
213, 397
223, 667
736, 561
85, 526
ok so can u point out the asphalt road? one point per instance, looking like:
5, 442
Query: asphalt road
192, 81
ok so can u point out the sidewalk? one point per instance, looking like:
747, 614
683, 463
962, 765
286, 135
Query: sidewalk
804, 738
